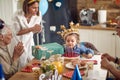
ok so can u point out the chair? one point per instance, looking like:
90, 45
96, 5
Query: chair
91, 46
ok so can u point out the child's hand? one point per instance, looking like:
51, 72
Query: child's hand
88, 55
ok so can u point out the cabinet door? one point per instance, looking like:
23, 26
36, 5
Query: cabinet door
117, 47
86, 35
105, 41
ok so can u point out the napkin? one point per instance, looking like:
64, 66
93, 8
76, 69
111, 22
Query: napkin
76, 74
1, 73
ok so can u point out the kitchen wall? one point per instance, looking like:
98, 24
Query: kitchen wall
109, 5
8, 8
75, 8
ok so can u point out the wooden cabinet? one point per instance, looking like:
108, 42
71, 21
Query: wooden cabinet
106, 41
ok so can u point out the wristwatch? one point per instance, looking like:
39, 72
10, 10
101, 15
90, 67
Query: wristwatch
116, 60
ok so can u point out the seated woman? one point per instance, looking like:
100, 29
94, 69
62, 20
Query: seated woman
72, 45
9, 58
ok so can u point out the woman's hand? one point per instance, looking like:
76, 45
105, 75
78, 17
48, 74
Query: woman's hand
18, 51
105, 63
105, 55
36, 29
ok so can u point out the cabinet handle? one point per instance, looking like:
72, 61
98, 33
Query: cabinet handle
113, 34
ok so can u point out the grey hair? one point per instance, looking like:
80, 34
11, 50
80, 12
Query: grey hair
4, 30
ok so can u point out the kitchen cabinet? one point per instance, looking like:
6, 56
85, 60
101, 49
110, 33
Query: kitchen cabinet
106, 41
117, 46
86, 35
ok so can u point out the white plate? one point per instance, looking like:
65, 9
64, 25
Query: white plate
70, 66
70, 58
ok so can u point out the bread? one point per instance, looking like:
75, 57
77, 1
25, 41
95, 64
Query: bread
78, 62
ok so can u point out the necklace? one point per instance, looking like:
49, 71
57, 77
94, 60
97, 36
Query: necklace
28, 18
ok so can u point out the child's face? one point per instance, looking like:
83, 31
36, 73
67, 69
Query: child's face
70, 41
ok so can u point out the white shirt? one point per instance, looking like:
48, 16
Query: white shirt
20, 22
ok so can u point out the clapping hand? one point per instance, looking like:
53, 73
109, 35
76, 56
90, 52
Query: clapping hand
18, 50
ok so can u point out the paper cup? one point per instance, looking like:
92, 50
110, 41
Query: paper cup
102, 16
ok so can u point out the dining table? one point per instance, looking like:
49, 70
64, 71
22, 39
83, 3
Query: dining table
96, 73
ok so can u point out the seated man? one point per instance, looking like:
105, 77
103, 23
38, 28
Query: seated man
106, 59
9, 54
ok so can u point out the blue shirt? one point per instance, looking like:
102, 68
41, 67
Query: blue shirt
79, 49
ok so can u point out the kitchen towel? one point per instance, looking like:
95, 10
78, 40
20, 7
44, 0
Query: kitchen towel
102, 16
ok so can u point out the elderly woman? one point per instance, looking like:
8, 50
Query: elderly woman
26, 23
9, 54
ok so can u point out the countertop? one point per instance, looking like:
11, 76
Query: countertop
97, 27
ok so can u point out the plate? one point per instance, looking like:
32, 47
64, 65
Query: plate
70, 58
70, 73
29, 68
70, 66
94, 61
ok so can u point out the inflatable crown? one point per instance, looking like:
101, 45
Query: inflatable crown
73, 29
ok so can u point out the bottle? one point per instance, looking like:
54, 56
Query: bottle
1, 73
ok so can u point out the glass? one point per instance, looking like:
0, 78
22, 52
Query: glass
90, 65
36, 71
61, 59
59, 66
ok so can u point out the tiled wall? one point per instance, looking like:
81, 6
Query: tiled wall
109, 5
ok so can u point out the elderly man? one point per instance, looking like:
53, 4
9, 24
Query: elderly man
9, 54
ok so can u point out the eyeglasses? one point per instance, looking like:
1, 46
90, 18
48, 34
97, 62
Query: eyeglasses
1, 23
31, 1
